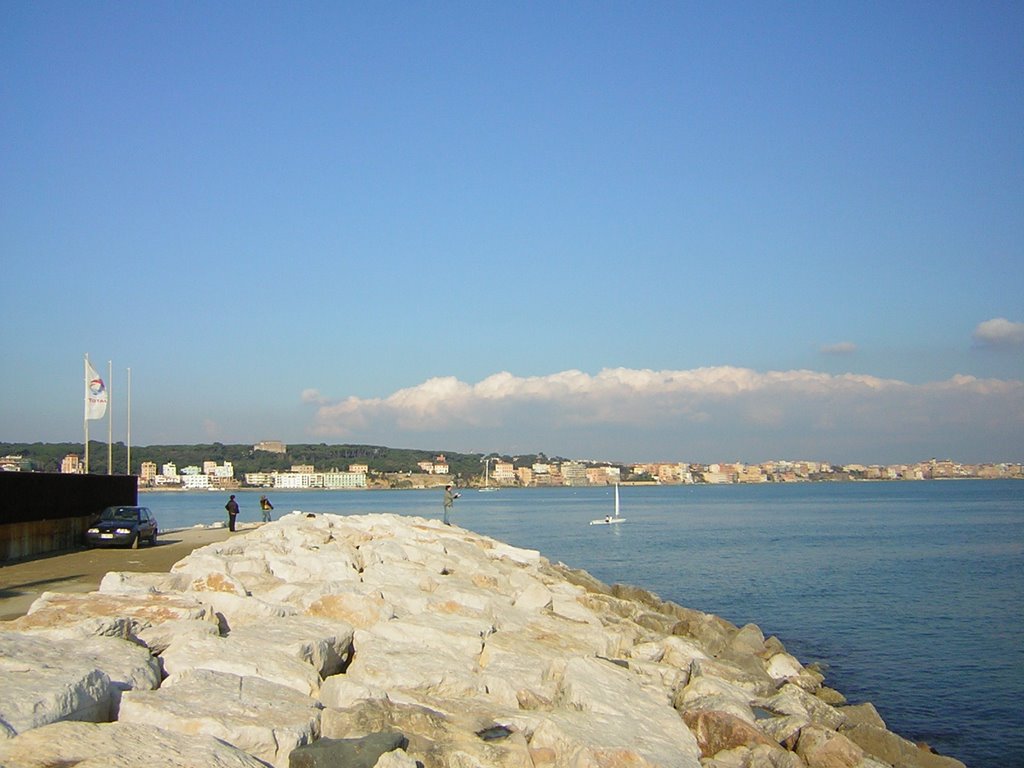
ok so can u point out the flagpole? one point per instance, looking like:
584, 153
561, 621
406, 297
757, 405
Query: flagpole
85, 412
129, 461
110, 417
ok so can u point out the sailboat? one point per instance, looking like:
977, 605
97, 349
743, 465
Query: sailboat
610, 519
487, 487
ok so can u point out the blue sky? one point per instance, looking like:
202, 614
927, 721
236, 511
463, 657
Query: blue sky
664, 231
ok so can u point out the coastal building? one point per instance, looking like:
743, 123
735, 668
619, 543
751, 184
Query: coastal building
574, 473
13, 463
224, 471
504, 473
271, 446
71, 465
438, 466
195, 481
364, 468
340, 480
293, 481
147, 472
169, 470
307, 469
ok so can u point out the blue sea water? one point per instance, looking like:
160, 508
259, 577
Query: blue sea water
908, 594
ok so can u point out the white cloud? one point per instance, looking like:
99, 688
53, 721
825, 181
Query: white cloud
623, 412
999, 332
842, 348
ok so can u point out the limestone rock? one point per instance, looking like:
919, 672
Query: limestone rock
895, 750
45, 679
134, 583
244, 657
158, 637
793, 700
708, 693
756, 757
119, 745
120, 615
359, 611
564, 738
784, 730
261, 718
324, 645
862, 714
782, 666
396, 759
823, 748
435, 739
717, 731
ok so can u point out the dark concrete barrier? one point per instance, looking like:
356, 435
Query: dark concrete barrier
44, 513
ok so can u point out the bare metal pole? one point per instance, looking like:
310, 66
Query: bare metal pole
129, 460
85, 412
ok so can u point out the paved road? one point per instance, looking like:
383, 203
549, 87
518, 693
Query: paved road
82, 570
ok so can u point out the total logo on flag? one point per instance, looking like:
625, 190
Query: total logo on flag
95, 394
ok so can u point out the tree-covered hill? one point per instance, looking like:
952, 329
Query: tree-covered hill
47, 457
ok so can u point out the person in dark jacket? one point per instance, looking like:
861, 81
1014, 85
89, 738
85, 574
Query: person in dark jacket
265, 507
232, 508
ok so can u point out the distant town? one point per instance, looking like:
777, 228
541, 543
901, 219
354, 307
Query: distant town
419, 469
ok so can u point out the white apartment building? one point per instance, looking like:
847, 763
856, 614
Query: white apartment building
338, 480
169, 470
71, 465
294, 481
195, 482
224, 471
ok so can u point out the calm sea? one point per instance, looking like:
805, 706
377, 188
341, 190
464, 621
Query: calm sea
911, 595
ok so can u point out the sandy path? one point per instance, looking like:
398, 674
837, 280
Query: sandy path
81, 571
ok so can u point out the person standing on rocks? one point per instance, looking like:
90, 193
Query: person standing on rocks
265, 507
232, 508
449, 501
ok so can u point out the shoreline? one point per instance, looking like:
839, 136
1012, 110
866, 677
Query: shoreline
540, 651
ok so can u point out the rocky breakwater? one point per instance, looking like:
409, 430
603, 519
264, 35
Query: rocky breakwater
397, 641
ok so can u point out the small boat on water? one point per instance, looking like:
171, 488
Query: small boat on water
611, 519
487, 487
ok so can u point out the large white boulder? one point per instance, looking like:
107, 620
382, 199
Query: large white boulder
259, 717
246, 657
45, 678
119, 745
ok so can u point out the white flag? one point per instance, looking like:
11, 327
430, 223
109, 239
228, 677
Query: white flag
95, 393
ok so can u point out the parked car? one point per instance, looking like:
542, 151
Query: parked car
123, 526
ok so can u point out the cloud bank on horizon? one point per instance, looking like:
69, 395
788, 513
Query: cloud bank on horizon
696, 415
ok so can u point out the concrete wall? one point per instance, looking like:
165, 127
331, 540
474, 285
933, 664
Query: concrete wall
44, 513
